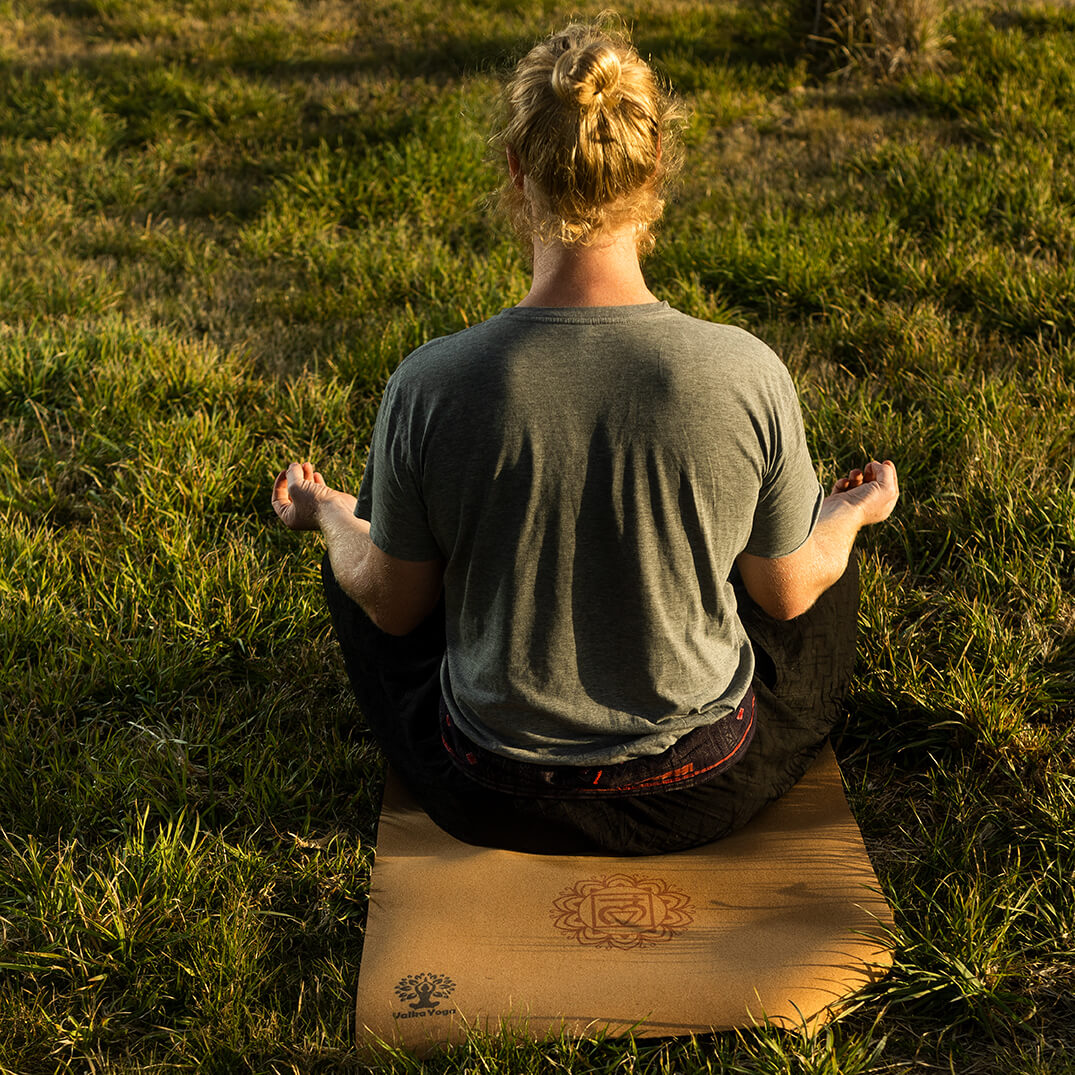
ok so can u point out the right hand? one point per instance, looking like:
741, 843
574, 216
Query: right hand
873, 490
300, 494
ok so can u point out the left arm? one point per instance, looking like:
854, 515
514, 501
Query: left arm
786, 586
396, 594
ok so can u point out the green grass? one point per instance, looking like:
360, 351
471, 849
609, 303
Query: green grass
222, 226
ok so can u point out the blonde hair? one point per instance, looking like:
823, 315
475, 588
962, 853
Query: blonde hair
594, 132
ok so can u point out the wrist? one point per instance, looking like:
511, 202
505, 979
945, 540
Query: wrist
849, 511
335, 507
840, 523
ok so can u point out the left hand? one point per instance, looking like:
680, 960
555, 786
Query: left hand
300, 493
852, 481
873, 490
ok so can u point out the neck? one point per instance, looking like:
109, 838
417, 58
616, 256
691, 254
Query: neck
605, 273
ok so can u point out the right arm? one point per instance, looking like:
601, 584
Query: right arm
396, 594
786, 586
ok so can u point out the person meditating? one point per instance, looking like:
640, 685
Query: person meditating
591, 597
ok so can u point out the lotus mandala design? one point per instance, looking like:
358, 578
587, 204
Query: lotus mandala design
622, 911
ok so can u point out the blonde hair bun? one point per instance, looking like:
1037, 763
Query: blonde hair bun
594, 134
588, 77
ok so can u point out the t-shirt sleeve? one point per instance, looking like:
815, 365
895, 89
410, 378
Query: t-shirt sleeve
391, 492
789, 501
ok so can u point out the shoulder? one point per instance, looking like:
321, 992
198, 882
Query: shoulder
428, 360
725, 354
731, 339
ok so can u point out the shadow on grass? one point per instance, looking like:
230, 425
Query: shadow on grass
901, 733
752, 37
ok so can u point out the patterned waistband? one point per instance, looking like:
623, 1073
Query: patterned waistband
697, 756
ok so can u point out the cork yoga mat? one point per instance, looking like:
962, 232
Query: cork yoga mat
781, 921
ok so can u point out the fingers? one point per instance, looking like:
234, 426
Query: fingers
280, 496
852, 481
297, 492
873, 472
290, 476
882, 476
885, 472
887, 475
303, 472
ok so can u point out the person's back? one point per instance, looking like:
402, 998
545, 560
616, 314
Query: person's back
623, 449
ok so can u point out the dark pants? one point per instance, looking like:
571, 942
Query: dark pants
803, 672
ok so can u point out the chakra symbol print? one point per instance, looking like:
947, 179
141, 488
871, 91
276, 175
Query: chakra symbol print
622, 911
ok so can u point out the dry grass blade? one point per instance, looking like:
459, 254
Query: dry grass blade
882, 38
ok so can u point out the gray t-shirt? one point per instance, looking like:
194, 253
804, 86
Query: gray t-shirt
589, 477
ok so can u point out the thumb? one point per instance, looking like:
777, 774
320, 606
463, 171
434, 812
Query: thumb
295, 475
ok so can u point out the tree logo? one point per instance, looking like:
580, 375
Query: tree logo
622, 911
422, 989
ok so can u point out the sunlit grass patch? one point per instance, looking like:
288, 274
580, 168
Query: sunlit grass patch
172, 919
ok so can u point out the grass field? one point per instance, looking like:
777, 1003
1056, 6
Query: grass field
222, 224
